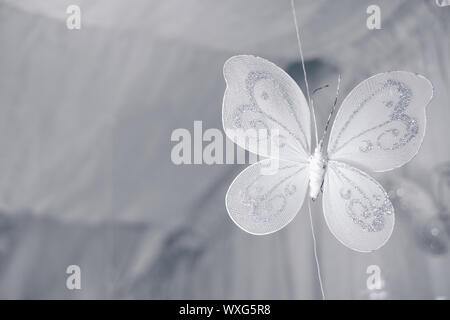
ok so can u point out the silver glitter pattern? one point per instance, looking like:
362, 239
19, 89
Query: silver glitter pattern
264, 205
366, 210
390, 138
264, 121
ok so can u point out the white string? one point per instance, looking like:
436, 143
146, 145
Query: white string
315, 250
311, 105
300, 50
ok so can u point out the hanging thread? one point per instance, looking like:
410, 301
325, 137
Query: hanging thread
311, 105
315, 250
300, 50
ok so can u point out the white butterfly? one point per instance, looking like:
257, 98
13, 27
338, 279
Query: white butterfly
380, 126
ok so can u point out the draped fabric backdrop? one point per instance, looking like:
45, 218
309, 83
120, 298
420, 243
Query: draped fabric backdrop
85, 171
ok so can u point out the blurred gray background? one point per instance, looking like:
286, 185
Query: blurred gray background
85, 171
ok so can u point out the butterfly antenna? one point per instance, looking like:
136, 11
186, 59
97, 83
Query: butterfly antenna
313, 112
300, 50
327, 125
320, 88
314, 121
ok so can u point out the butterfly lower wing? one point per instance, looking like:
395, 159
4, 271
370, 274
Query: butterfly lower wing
260, 95
381, 123
262, 203
357, 210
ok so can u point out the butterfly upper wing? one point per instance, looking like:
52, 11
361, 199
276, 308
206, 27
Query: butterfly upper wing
261, 204
357, 210
260, 95
381, 123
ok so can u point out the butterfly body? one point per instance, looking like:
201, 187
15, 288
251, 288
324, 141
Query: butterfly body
317, 168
